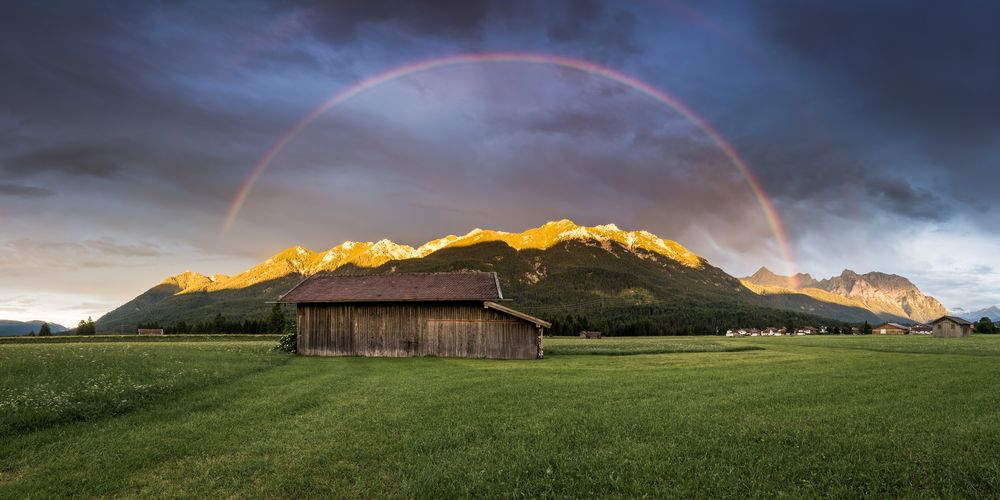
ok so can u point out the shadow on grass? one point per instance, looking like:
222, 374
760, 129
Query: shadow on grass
622, 348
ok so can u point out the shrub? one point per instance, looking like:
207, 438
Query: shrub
289, 339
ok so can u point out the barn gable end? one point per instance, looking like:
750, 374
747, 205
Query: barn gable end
951, 326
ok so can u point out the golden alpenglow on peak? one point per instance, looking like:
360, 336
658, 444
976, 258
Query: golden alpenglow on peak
187, 279
302, 261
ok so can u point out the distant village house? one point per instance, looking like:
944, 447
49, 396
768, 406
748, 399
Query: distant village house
150, 331
590, 335
891, 329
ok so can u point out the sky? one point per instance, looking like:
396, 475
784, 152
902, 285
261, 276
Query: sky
127, 129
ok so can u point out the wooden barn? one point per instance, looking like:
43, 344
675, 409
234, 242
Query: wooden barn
891, 329
951, 326
590, 335
396, 315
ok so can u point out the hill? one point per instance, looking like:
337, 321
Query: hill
12, 328
624, 282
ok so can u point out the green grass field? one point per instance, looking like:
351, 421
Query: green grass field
706, 417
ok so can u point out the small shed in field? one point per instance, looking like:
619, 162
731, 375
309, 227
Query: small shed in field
590, 335
150, 331
891, 329
951, 326
396, 315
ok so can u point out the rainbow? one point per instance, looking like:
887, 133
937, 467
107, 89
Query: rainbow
522, 58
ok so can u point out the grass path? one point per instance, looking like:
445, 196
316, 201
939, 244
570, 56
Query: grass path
794, 418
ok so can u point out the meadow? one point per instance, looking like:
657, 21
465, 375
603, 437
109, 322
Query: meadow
802, 417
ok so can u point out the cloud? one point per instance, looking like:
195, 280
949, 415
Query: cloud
26, 254
341, 22
915, 69
16, 304
899, 196
610, 35
93, 160
601, 30
21, 191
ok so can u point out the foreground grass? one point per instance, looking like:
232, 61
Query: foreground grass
623, 346
799, 418
75, 339
44, 385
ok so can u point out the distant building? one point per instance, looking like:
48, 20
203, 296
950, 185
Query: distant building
891, 329
807, 330
395, 315
150, 331
921, 329
771, 331
855, 330
590, 335
951, 326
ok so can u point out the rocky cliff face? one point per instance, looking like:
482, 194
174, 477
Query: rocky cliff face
887, 295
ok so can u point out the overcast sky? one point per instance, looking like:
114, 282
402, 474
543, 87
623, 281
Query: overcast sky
127, 128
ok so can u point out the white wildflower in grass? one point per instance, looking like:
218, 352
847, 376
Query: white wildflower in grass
46, 384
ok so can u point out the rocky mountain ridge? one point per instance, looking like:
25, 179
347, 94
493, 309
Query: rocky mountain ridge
888, 295
635, 280
305, 262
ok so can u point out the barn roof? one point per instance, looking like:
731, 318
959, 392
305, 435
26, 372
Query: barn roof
955, 319
472, 286
892, 325
517, 314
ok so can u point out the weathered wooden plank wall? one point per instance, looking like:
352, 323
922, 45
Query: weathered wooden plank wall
414, 329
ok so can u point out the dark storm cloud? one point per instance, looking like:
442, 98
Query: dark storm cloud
601, 30
900, 197
22, 191
860, 108
914, 67
343, 21
94, 160
588, 22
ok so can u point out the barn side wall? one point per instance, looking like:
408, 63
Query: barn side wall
950, 329
458, 330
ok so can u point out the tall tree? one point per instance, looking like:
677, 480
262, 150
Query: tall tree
45, 331
276, 324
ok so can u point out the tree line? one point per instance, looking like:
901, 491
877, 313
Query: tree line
655, 320
272, 324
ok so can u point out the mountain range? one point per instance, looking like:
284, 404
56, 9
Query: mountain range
992, 312
628, 282
12, 328
891, 297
